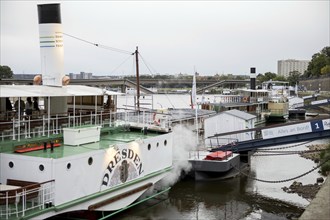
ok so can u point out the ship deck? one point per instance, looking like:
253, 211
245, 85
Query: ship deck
112, 137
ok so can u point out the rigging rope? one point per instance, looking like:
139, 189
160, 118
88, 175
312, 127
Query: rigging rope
112, 72
279, 148
99, 45
145, 63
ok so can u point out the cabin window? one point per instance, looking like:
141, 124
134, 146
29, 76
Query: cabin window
68, 166
11, 164
41, 167
149, 146
157, 144
165, 142
90, 161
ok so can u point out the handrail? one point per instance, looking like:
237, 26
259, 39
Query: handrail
39, 193
28, 186
46, 126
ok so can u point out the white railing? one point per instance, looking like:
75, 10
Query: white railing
216, 142
25, 200
46, 126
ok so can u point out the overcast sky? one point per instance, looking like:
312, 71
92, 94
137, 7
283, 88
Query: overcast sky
225, 37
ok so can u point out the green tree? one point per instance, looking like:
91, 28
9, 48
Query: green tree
293, 78
5, 72
280, 78
325, 156
269, 76
325, 69
261, 78
319, 61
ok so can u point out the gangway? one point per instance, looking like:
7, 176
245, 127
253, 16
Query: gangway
279, 134
317, 103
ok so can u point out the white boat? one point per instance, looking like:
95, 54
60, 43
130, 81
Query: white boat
207, 165
75, 154
278, 104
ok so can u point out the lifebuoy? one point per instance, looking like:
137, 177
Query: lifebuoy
156, 122
37, 80
245, 99
65, 80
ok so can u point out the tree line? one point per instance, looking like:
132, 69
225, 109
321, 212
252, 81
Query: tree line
318, 66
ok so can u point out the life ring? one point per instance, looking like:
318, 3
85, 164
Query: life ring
65, 80
245, 99
156, 122
37, 80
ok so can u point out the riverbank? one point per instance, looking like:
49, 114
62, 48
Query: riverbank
319, 206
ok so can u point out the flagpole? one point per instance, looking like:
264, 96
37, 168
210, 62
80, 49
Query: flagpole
194, 103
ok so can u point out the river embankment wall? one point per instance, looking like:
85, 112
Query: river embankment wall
319, 208
321, 83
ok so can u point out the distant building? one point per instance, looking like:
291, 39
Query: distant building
24, 76
84, 75
81, 75
73, 76
284, 67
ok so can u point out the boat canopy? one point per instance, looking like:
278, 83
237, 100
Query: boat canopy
52, 91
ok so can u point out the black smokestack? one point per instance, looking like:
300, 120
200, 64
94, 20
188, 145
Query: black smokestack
253, 78
49, 13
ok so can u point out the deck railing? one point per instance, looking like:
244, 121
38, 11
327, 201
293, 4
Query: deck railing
44, 126
25, 200
211, 143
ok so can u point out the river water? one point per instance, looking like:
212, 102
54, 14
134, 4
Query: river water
237, 198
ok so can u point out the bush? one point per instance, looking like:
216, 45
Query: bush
325, 155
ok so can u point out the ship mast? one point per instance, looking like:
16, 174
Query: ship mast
137, 79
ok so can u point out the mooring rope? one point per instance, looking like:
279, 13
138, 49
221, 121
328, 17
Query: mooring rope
277, 153
286, 147
285, 180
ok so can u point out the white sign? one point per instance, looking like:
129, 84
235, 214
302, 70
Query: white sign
326, 124
319, 102
286, 130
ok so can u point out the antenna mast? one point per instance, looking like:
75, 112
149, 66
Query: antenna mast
137, 79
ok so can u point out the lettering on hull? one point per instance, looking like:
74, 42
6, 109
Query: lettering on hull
125, 164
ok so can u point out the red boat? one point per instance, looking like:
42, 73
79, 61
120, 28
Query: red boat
219, 155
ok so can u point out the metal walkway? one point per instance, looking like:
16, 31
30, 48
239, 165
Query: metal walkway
279, 134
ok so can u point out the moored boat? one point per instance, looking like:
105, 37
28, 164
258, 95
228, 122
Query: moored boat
207, 165
74, 153
278, 104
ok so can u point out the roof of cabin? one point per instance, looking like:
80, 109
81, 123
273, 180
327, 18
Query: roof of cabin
236, 113
51, 91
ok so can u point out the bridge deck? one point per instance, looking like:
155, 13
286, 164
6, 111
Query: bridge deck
280, 134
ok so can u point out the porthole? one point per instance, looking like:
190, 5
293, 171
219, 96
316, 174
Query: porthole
11, 164
157, 144
149, 146
165, 142
41, 167
90, 161
68, 166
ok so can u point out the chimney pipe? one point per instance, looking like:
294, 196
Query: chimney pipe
51, 44
253, 78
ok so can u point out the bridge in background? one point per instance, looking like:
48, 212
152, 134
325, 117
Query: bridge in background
288, 133
202, 85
